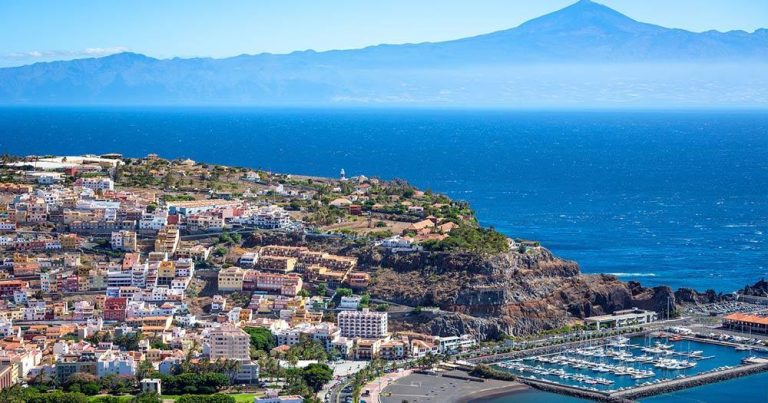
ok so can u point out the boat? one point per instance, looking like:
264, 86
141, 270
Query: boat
663, 346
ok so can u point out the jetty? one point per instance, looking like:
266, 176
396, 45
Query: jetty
689, 382
629, 395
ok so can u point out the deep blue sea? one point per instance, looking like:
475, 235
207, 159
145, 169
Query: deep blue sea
678, 198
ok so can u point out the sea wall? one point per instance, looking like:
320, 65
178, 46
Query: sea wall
690, 382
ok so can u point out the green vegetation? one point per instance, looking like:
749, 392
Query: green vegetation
18, 394
374, 370
306, 349
309, 380
344, 292
380, 234
316, 375
471, 239
485, 371
172, 198
205, 383
325, 215
217, 398
261, 339
230, 239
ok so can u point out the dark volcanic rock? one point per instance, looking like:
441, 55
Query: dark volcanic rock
759, 289
521, 293
691, 296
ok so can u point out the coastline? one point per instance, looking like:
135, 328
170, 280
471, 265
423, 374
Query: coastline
451, 387
501, 391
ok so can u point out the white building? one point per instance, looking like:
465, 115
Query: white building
153, 221
117, 277
115, 363
249, 259
228, 342
271, 217
399, 244
626, 317
96, 183
350, 303
123, 240
452, 344
151, 385
365, 324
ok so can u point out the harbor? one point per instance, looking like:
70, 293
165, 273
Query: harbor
628, 368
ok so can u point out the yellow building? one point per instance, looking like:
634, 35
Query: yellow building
231, 279
69, 241
281, 264
167, 240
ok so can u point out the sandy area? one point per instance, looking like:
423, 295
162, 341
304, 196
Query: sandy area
418, 388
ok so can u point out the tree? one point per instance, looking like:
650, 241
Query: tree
217, 398
82, 382
316, 375
322, 290
261, 338
147, 398
90, 388
307, 349
344, 292
144, 370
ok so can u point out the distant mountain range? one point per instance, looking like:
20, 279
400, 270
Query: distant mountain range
583, 55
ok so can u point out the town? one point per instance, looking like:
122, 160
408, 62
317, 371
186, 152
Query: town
165, 280
121, 276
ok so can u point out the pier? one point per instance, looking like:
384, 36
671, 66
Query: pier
688, 382
629, 395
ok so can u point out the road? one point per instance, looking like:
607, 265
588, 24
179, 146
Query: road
335, 395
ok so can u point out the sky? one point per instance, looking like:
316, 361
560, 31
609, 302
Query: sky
40, 30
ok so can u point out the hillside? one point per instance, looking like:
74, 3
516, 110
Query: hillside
515, 293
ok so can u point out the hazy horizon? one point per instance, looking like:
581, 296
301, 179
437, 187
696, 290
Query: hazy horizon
584, 55
81, 29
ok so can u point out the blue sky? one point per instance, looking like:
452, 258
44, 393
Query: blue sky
37, 30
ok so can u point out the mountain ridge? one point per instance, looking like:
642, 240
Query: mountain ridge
502, 67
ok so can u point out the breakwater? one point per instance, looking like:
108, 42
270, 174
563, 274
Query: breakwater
571, 391
689, 382
630, 395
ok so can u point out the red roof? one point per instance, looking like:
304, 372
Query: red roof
743, 317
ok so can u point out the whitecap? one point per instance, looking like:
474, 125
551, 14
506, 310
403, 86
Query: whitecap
620, 274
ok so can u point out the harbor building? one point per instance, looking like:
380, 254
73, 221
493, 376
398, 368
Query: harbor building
743, 322
622, 318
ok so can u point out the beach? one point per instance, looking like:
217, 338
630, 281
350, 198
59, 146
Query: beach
421, 388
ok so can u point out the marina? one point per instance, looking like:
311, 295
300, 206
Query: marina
641, 365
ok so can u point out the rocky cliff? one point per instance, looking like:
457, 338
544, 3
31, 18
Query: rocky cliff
487, 295
514, 293
759, 289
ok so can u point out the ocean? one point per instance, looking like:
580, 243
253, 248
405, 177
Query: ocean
661, 197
